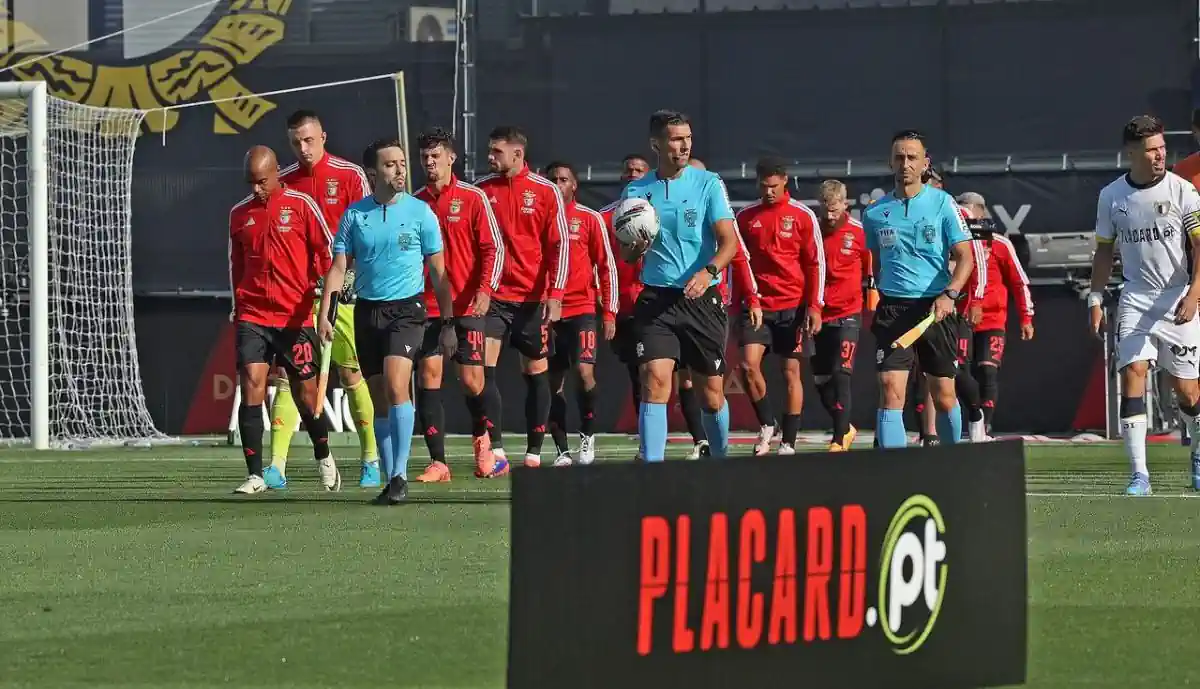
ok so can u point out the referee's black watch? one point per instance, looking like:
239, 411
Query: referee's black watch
953, 294
712, 270
447, 322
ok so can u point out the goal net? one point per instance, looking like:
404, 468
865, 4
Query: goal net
69, 366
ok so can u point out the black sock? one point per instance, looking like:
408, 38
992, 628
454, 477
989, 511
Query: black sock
318, 433
475, 407
492, 404
828, 394
1192, 410
250, 425
841, 405
537, 410
920, 386
432, 417
791, 426
989, 390
635, 386
587, 411
762, 409
967, 389
558, 421
692, 416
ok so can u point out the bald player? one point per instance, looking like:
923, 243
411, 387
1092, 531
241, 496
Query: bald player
279, 245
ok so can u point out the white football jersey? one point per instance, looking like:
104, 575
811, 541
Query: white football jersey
1152, 227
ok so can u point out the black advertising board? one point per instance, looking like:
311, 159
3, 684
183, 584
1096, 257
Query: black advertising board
869, 570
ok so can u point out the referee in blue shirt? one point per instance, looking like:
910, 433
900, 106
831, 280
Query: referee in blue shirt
680, 316
916, 231
391, 236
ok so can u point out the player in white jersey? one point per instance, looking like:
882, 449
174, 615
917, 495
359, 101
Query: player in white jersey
1153, 217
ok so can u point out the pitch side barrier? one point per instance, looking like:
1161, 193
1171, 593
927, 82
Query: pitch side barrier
898, 569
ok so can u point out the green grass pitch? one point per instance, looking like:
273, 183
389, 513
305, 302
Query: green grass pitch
137, 568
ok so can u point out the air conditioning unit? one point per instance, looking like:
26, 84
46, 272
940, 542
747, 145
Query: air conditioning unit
432, 24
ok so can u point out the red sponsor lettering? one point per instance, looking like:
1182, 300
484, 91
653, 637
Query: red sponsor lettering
782, 627
852, 587
656, 544
714, 622
819, 568
683, 639
752, 549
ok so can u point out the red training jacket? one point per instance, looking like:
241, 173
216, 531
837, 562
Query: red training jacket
532, 222
471, 244
334, 183
1007, 275
784, 253
629, 275
848, 261
591, 260
277, 252
976, 284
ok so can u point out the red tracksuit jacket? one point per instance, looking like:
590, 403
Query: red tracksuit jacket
277, 251
533, 223
629, 275
1006, 275
784, 254
976, 285
591, 260
847, 262
334, 183
471, 244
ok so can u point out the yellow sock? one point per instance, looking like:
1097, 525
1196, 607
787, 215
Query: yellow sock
362, 410
284, 417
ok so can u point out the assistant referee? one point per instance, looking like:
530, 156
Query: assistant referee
916, 231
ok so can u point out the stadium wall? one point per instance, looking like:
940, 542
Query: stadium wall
187, 361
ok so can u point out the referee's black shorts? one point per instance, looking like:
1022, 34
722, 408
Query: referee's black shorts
669, 325
935, 351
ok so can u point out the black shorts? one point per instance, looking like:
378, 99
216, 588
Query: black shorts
835, 346
520, 325
574, 342
469, 330
964, 345
431, 339
690, 331
989, 347
781, 332
624, 343
935, 350
388, 328
295, 349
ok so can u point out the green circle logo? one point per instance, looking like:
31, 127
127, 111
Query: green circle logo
912, 580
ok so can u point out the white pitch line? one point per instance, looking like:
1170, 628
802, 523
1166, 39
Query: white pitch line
1111, 496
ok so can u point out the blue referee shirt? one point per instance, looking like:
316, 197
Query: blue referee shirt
389, 243
687, 208
913, 238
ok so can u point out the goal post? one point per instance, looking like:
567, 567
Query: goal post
69, 372
35, 95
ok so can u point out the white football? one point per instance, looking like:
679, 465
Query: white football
635, 220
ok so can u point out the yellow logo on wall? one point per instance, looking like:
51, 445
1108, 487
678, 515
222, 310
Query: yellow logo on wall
248, 29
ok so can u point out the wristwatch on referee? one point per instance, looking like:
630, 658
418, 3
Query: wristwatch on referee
712, 270
447, 322
953, 294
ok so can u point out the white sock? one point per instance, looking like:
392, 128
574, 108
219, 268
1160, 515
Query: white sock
1133, 430
977, 431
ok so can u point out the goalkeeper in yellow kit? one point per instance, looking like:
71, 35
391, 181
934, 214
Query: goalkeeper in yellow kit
334, 183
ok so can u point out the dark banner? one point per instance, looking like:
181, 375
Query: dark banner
185, 347
984, 78
873, 570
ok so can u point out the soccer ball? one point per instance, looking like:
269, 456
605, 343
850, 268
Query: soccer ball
635, 220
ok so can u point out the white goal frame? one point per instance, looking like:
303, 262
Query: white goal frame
36, 97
